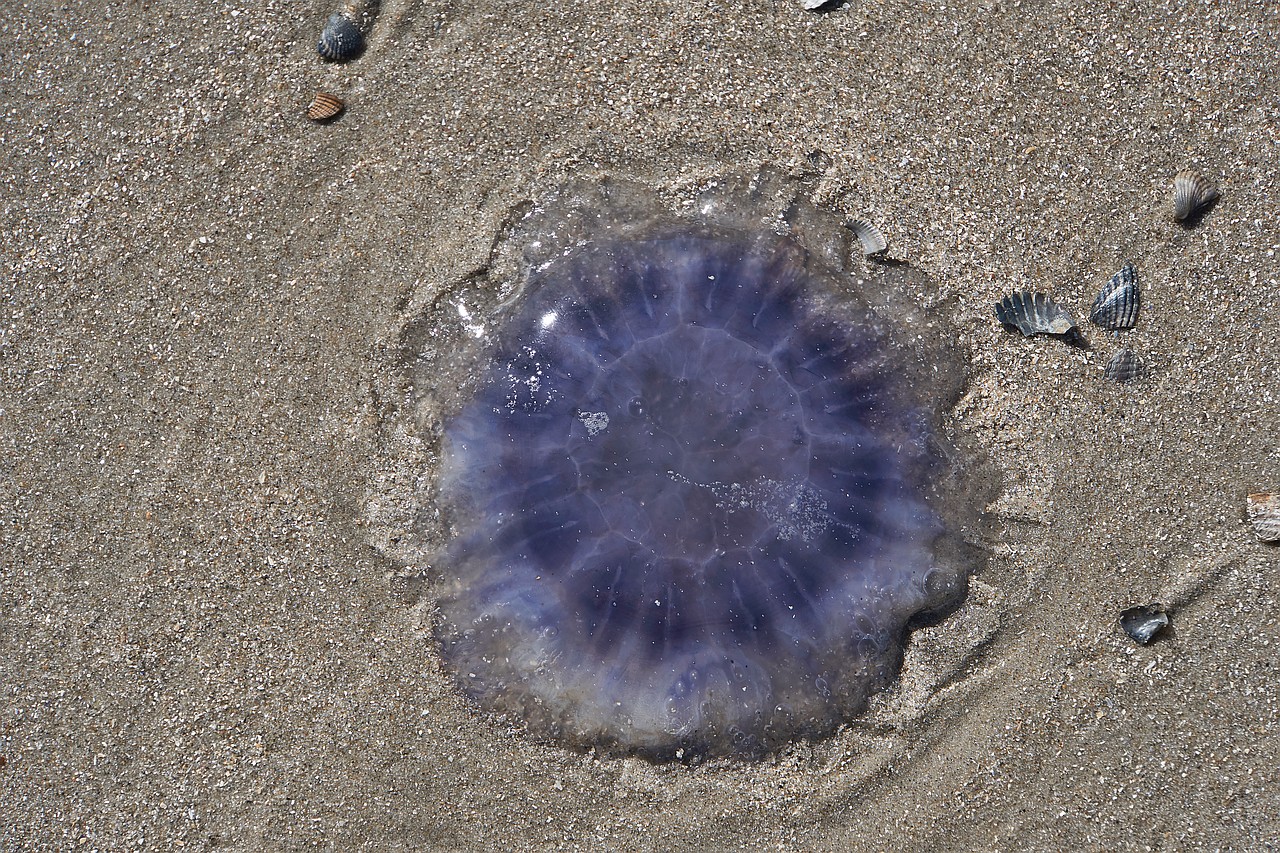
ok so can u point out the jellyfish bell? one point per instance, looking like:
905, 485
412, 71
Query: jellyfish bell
694, 486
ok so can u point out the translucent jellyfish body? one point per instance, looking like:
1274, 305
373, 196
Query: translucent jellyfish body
695, 488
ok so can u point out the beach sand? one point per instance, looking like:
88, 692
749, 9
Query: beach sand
203, 642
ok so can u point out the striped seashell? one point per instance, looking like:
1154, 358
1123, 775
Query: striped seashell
873, 242
1117, 304
1192, 195
1143, 622
1123, 366
324, 107
1264, 513
1034, 314
341, 38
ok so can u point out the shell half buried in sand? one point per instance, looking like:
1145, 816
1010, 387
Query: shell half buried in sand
1124, 366
1264, 513
871, 238
341, 39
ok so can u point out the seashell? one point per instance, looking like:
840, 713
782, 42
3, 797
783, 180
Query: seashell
1143, 622
324, 107
1034, 314
1192, 195
341, 39
1123, 366
1264, 512
873, 242
1117, 304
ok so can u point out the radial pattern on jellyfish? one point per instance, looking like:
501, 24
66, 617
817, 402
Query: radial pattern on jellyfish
693, 500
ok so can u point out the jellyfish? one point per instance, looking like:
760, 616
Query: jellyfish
695, 486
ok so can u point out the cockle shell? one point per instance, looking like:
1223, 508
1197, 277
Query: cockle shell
341, 39
1034, 314
324, 107
1117, 304
1192, 195
872, 240
1264, 512
1123, 366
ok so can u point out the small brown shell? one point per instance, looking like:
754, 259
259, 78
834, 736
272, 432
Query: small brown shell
1264, 512
1192, 195
324, 107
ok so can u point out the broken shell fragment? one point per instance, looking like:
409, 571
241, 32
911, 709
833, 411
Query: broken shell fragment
341, 39
1034, 314
324, 107
1123, 366
873, 242
1143, 622
1117, 304
1192, 195
1264, 513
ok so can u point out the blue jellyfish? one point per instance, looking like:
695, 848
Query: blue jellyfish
696, 494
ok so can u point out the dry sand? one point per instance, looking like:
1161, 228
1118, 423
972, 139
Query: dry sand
201, 648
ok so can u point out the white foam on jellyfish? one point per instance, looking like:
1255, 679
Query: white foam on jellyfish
476, 330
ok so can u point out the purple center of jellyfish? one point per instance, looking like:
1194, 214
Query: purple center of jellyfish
691, 502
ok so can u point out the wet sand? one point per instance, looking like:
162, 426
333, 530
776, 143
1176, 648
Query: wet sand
202, 641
